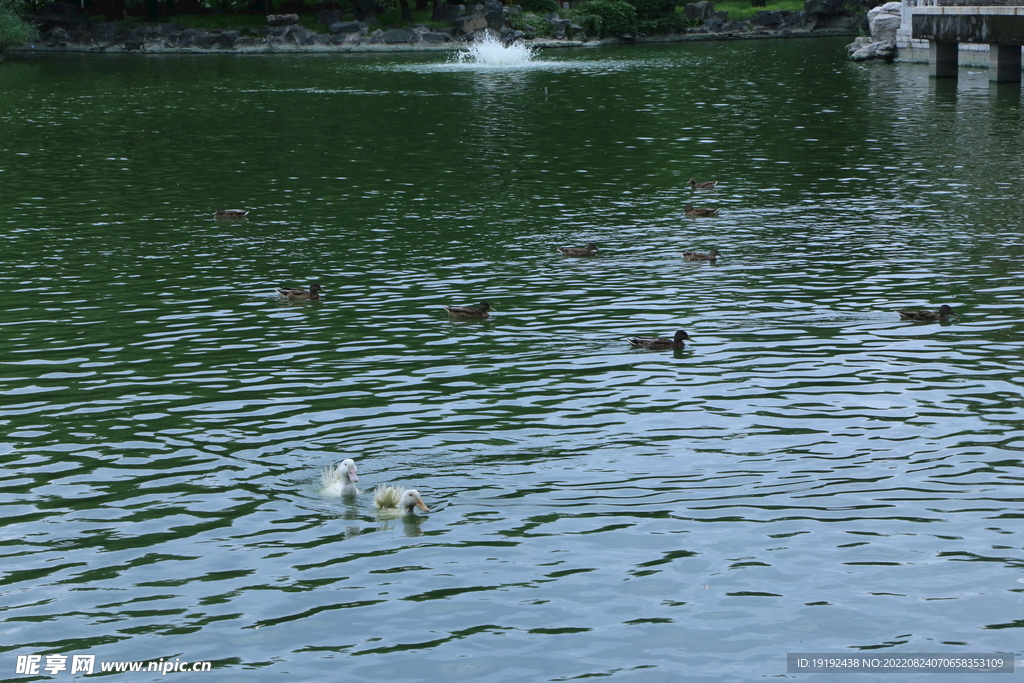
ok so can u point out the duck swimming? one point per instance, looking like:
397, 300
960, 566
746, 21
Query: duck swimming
394, 500
478, 311
589, 250
340, 480
230, 214
699, 211
659, 343
702, 185
697, 256
312, 293
944, 312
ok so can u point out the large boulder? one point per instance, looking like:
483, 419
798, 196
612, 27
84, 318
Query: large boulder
300, 35
398, 35
699, 11
884, 21
347, 27
494, 13
768, 18
470, 23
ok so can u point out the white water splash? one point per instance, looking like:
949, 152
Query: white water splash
490, 52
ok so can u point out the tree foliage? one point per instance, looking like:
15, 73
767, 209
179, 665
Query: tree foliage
14, 31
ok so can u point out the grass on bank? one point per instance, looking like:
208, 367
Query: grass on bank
740, 10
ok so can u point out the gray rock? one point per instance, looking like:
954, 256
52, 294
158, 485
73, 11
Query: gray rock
170, 29
560, 26
300, 35
797, 19
893, 8
470, 23
435, 37
768, 19
884, 27
882, 49
188, 37
345, 38
716, 22
154, 32
702, 10
104, 32
209, 40
857, 44
58, 35
398, 35
282, 19
494, 12
347, 27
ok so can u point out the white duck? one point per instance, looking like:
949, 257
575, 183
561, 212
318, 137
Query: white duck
394, 500
340, 480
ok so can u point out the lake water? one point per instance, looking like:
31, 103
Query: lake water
811, 474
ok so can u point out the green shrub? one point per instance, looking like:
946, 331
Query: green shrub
14, 31
606, 17
542, 6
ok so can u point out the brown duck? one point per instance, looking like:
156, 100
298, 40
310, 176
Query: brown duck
659, 343
702, 185
944, 312
700, 211
697, 256
312, 293
230, 214
478, 311
589, 250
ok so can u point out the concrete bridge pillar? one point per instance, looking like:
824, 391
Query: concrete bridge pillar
942, 58
1004, 63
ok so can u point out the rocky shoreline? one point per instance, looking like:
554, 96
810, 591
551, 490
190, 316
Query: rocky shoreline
66, 31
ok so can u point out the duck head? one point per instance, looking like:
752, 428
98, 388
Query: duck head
347, 467
410, 498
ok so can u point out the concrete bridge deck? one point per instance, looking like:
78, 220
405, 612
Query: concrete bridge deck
995, 27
